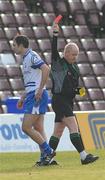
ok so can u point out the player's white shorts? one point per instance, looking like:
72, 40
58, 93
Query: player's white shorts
33, 107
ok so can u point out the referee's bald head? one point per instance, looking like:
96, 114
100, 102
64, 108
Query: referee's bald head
71, 52
71, 46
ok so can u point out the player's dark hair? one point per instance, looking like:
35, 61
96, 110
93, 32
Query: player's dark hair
21, 39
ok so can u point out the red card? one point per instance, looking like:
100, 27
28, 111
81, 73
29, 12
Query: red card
58, 19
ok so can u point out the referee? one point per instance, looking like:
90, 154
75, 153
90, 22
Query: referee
65, 79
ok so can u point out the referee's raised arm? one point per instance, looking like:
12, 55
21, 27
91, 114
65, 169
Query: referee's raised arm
55, 29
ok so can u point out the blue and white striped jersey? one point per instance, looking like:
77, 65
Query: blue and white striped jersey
31, 70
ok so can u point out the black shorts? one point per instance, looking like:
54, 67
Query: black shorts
63, 107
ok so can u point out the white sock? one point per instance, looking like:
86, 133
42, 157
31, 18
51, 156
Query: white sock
83, 155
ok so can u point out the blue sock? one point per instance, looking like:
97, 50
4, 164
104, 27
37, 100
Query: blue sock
42, 154
46, 148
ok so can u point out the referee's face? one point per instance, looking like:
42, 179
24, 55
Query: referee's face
71, 56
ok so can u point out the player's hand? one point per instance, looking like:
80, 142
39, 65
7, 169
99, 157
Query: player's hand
38, 94
20, 104
82, 91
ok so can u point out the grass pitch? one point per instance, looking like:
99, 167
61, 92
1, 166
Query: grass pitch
20, 166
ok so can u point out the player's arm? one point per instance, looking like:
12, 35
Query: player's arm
37, 62
45, 74
55, 54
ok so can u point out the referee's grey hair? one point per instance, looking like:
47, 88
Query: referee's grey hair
71, 45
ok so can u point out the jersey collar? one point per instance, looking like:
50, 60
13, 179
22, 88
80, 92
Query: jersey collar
26, 53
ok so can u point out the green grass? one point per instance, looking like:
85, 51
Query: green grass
19, 166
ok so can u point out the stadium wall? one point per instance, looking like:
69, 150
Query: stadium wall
91, 124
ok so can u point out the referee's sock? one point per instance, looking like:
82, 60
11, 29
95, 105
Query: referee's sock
53, 142
78, 144
76, 141
81, 140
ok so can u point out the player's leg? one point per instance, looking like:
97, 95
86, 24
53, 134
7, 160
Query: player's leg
39, 126
32, 111
75, 138
27, 127
40, 123
28, 121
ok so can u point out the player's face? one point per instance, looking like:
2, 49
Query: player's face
16, 48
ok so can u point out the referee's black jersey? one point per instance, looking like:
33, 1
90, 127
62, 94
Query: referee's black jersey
65, 76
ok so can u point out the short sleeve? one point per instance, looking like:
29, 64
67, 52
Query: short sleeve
36, 61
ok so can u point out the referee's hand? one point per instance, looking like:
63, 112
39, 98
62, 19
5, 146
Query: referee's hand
55, 28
